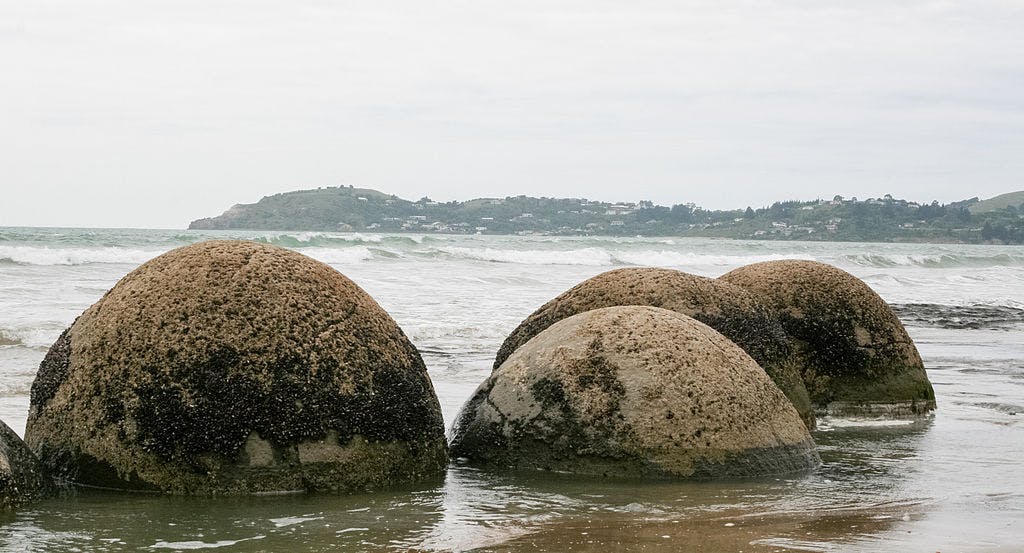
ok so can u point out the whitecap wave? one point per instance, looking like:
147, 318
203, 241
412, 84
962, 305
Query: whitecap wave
41, 336
668, 258
316, 238
339, 256
6, 340
597, 257
937, 260
585, 256
30, 255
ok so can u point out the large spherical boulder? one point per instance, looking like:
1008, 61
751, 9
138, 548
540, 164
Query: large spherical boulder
634, 392
231, 367
731, 310
856, 357
21, 476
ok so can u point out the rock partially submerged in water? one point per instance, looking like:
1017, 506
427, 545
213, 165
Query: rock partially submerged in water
634, 392
729, 309
21, 476
230, 367
856, 356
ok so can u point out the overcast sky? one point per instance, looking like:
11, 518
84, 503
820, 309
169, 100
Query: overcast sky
151, 114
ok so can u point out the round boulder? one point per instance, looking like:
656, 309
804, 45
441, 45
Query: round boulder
731, 310
230, 367
856, 357
633, 392
21, 476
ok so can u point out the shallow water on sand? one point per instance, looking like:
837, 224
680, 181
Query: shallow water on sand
951, 482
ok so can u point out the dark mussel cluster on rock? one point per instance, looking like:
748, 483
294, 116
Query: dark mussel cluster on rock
231, 367
685, 373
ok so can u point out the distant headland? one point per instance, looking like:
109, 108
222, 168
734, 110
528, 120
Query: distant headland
998, 220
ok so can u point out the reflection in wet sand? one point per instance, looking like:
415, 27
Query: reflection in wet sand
725, 532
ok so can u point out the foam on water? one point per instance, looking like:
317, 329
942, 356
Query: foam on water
339, 256
195, 544
8, 340
667, 258
39, 335
29, 255
584, 256
291, 521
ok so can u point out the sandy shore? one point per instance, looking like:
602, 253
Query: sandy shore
719, 532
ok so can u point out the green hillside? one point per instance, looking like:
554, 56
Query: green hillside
885, 219
1002, 201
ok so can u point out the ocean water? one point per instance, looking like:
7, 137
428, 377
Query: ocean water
951, 482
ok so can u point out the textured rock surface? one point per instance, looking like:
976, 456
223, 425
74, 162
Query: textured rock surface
856, 357
235, 367
21, 476
729, 309
637, 392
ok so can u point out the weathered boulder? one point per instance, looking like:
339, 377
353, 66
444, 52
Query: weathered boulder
21, 476
231, 367
731, 310
634, 392
856, 357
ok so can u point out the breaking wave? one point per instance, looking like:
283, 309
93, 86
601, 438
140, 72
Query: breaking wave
584, 256
6, 340
596, 257
936, 261
328, 239
340, 256
960, 317
39, 337
131, 247
31, 255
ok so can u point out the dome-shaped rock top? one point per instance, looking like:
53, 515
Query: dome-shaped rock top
729, 309
637, 392
856, 357
235, 367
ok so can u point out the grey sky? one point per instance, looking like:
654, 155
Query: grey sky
151, 114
